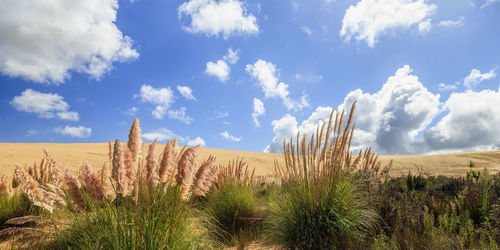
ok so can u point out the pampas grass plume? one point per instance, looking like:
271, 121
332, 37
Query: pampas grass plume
186, 171
134, 140
151, 163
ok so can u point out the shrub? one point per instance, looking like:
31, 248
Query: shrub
325, 215
232, 213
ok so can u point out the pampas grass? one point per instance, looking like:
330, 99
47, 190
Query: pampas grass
186, 171
205, 176
151, 163
92, 182
74, 190
134, 140
168, 162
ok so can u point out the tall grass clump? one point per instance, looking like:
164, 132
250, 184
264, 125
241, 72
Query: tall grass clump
141, 202
231, 213
321, 204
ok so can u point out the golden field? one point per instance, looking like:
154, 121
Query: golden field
70, 155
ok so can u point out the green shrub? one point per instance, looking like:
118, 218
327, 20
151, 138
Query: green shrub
331, 213
231, 213
157, 221
415, 182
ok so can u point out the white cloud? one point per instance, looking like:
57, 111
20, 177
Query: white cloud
186, 92
196, 141
306, 30
266, 76
424, 27
471, 123
229, 137
162, 97
164, 134
232, 56
180, 115
221, 114
397, 119
452, 23
43, 41
68, 116
258, 110
79, 132
475, 77
213, 18
132, 111
369, 19
220, 69
46, 105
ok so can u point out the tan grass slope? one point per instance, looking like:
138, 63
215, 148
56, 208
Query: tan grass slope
71, 155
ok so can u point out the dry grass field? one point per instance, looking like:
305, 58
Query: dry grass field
70, 155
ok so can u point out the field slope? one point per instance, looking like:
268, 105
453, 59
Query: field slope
70, 155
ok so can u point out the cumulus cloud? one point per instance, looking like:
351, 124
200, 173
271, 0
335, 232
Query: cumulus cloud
258, 110
475, 77
397, 119
424, 27
45, 105
162, 97
220, 69
471, 123
287, 127
164, 134
179, 115
266, 78
44, 41
369, 19
218, 18
451, 23
229, 137
186, 92
78, 132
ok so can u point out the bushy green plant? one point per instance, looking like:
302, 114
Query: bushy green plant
326, 214
232, 213
415, 182
158, 220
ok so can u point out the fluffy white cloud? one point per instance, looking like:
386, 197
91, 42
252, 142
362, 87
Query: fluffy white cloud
164, 134
229, 137
214, 18
368, 19
180, 115
266, 76
46, 105
424, 27
232, 56
397, 118
162, 97
471, 123
220, 69
79, 132
196, 141
258, 110
43, 41
186, 92
287, 127
475, 77
451, 23
446, 87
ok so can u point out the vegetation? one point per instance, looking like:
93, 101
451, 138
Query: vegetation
323, 197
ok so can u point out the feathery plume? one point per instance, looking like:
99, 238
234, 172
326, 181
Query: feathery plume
134, 140
151, 162
15, 181
168, 162
74, 190
110, 151
32, 189
107, 186
205, 176
92, 182
129, 169
117, 159
5, 186
186, 171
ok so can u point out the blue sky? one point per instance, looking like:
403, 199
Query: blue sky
243, 75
